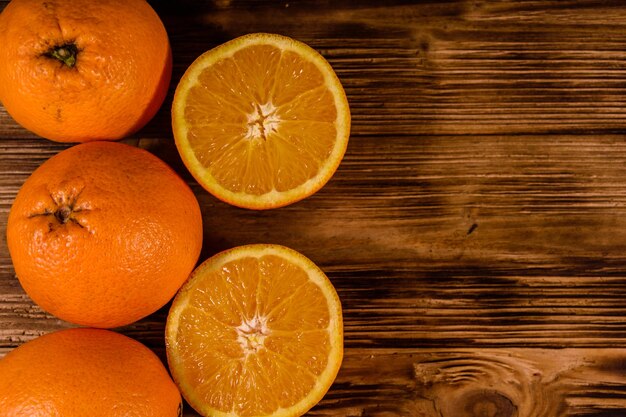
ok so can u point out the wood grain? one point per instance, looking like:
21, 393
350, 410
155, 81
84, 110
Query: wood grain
476, 229
478, 383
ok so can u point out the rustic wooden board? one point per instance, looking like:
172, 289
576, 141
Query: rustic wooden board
476, 229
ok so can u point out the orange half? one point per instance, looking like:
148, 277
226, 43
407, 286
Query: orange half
261, 121
256, 331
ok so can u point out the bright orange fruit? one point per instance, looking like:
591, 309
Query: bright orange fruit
86, 372
103, 234
256, 331
261, 121
83, 70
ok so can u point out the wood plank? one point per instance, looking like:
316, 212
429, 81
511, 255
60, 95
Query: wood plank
479, 383
475, 230
436, 67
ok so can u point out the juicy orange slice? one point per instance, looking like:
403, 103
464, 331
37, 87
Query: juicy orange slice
256, 331
261, 121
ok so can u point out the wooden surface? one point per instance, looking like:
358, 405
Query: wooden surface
476, 229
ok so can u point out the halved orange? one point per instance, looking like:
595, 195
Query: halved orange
261, 121
256, 331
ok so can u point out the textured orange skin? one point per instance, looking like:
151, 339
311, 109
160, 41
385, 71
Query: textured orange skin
133, 237
120, 79
85, 372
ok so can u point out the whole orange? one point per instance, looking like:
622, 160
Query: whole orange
103, 234
83, 70
85, 372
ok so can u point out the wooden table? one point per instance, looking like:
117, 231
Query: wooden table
476, 229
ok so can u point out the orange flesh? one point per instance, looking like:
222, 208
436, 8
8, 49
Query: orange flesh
254, 336
262, 119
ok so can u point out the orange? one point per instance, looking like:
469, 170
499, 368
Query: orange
261, 121
256, 331
85, 372
103, 234
83, 70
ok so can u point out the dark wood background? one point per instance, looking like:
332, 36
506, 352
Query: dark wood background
476, 229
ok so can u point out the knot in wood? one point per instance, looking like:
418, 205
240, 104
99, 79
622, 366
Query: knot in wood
486, 403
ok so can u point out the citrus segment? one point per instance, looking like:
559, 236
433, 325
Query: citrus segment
256, 331
261, 121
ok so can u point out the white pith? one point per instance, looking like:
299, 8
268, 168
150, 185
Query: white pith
251, 334
262, 122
